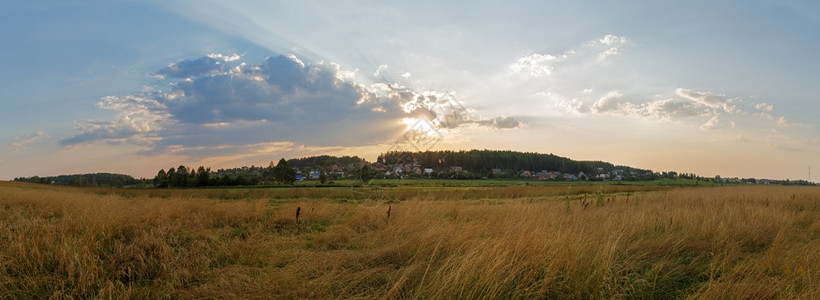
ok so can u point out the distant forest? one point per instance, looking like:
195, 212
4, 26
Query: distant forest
484, 161
85, 180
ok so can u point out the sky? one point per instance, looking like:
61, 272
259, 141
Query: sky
723, 88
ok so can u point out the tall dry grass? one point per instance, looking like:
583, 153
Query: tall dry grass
726, 242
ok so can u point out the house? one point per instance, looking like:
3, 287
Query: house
314, 174
496, 171
379, 167
526, 174
569, 176
456, 169
428, 171
416, 170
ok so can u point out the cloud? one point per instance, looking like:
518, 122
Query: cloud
610, 40
534, 65
715, 101
22, 142
613, 44
381, 69
140, 117
543, 64
501, 122
441, 108
225, 58
190, 68
764, 107
217, 101
712, 124
612, 103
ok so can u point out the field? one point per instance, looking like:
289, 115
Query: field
514, 241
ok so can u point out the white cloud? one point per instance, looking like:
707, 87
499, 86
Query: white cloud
610, 39
764, 107
669, 109
544, 64
609, 52
379, 71
712, 124
613, 44
225, 58
139, 118
21, 142
534, 65
612, 103
712, 100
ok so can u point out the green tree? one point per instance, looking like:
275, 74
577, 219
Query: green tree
161, 180
181, 178
203, 176
284, 173
323, 172
365, 175
172, 175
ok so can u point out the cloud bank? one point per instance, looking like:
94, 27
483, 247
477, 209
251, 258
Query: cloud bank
217, 102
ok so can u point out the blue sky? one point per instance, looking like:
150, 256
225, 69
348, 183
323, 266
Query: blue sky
712, 87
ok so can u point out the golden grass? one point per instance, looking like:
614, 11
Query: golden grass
724, 242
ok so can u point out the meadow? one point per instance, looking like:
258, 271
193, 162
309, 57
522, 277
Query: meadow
514, 241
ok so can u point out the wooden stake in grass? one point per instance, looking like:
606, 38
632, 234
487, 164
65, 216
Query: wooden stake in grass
297, 214
388, 211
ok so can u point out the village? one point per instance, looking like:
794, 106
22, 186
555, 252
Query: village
415, 170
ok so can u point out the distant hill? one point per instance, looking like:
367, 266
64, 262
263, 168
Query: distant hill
485, 161
85, 180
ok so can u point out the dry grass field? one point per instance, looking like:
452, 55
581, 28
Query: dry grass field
508, 242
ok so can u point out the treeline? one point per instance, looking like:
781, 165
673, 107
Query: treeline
484, 161
84, 180
317, 161
183, 176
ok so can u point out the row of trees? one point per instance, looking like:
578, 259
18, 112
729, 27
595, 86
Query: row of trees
183, 176
483, 161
